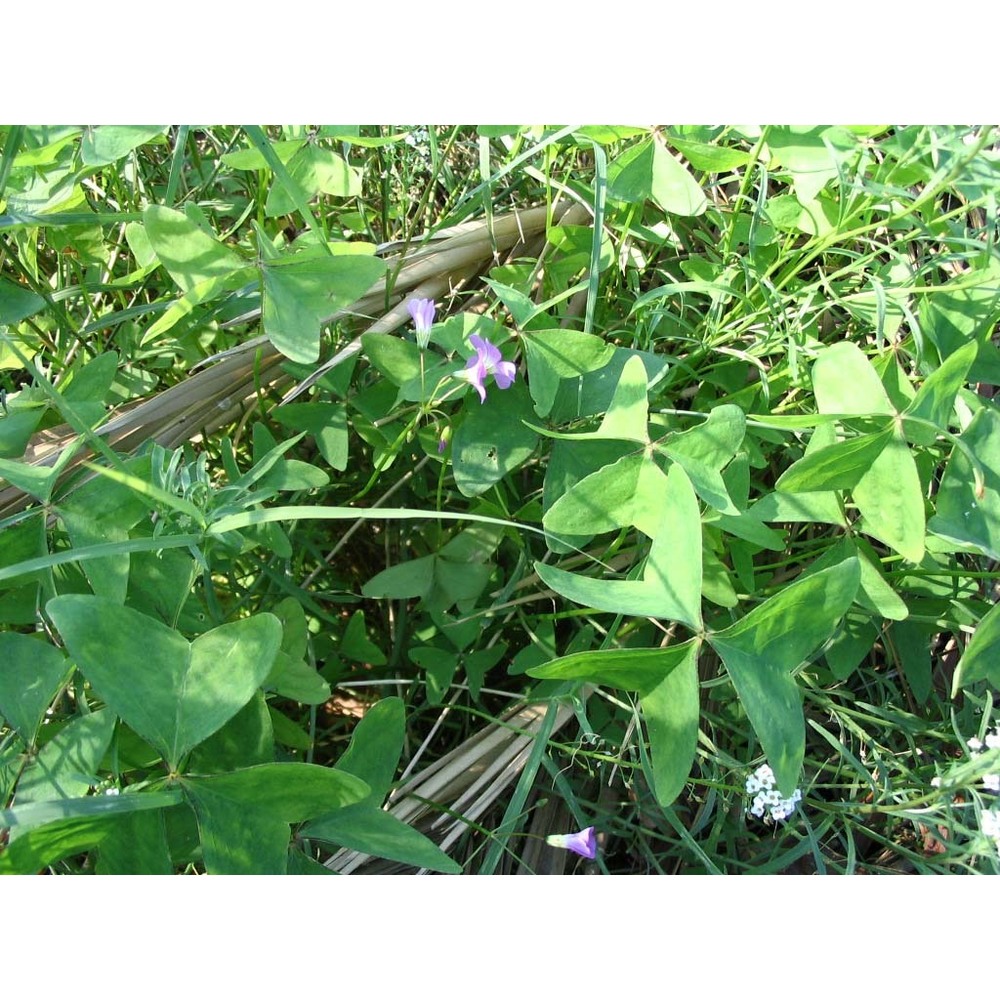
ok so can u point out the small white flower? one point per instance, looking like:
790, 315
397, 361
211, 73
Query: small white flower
991, 782
768, 803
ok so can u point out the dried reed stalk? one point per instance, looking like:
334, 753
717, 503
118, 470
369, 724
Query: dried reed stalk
466, 782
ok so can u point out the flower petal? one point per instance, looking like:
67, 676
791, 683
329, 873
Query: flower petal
583, 843
504, 373
422, 311
488, 354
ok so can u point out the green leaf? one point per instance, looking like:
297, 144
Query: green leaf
846, 383
852, 643
254, 159
628, 414
794, 508
640, 670
290, 792
812, 154
101, 511
104, 144
553, 355
17, 303
966, 311
891, 501
712, 443
397, 359
375, 747
671, 584
673, 187
630, 491
66, 766
837, 467
935, 399
31, 673
592, 392
293, 678
316, 171
493, 440
244, 816
36, 481
762, 649
439, 666
174, 694
236, 840
46, 845
649, 170
189, 254
325, 422
303, 290
710, 158
246, 739
355, 645
705, 449
135, 845
413, 578
912, 643
630, 176
962, 515
876, 594
16, 428
671, 713
981, 659
370, 830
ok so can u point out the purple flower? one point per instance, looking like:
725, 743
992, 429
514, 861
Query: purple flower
583, 843
422, 311
487, 362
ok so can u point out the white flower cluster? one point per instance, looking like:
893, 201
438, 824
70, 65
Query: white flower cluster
990, 818
767, 801
991, 825
990, 781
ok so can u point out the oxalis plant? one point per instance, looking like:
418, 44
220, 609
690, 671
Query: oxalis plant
500, 499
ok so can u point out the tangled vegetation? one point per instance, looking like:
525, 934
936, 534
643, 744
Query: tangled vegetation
499, 499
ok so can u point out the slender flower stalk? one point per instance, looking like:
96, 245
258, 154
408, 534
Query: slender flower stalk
487, 361
422, 311
583, 843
